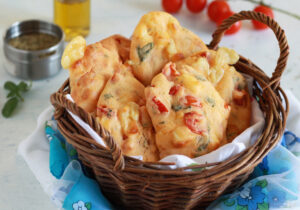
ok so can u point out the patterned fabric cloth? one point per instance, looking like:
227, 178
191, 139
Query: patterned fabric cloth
61, 153
73, 189
274, 183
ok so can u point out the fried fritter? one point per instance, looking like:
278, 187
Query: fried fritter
157, 39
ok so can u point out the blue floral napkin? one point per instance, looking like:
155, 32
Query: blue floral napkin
59, 157
74, 190
274, 183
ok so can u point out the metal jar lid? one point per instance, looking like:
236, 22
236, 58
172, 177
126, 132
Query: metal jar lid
29, 64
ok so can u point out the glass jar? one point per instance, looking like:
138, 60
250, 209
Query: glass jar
73, 16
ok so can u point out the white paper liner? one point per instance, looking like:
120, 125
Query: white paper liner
239, 144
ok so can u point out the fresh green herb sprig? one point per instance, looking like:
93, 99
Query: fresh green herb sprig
14, 96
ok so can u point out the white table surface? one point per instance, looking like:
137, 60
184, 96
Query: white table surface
18, 187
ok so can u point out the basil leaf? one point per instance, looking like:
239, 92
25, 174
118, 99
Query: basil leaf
9, 107
202, 147
107, 96
200, 78
19, 96
22, 86
144, 51
211, 101
11, 86
109, 113
176, 107
11, 94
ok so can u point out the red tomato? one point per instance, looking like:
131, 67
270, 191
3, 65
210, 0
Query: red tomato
105, 110
174, 90
203, 54
263, 9
171, 6
234, 28
195, 6
217, 9
206, 54
160, 106
170, 71
193, 121
174, 72
192, 101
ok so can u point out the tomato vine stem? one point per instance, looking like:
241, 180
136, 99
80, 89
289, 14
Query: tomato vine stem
261, 2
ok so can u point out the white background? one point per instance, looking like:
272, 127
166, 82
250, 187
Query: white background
18, 188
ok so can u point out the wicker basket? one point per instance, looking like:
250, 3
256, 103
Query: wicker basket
134, 184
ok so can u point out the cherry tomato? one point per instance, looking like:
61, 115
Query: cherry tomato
217, 10
192, 101
160, 106
171, 6
234, 28
194, 122
195, 6
263, 9
174, 90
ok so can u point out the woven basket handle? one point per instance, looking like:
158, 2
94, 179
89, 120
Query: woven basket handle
278, 31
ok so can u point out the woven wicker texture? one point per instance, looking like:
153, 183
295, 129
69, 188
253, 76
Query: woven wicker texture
134, 184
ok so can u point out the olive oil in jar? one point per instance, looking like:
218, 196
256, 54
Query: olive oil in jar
73, 16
